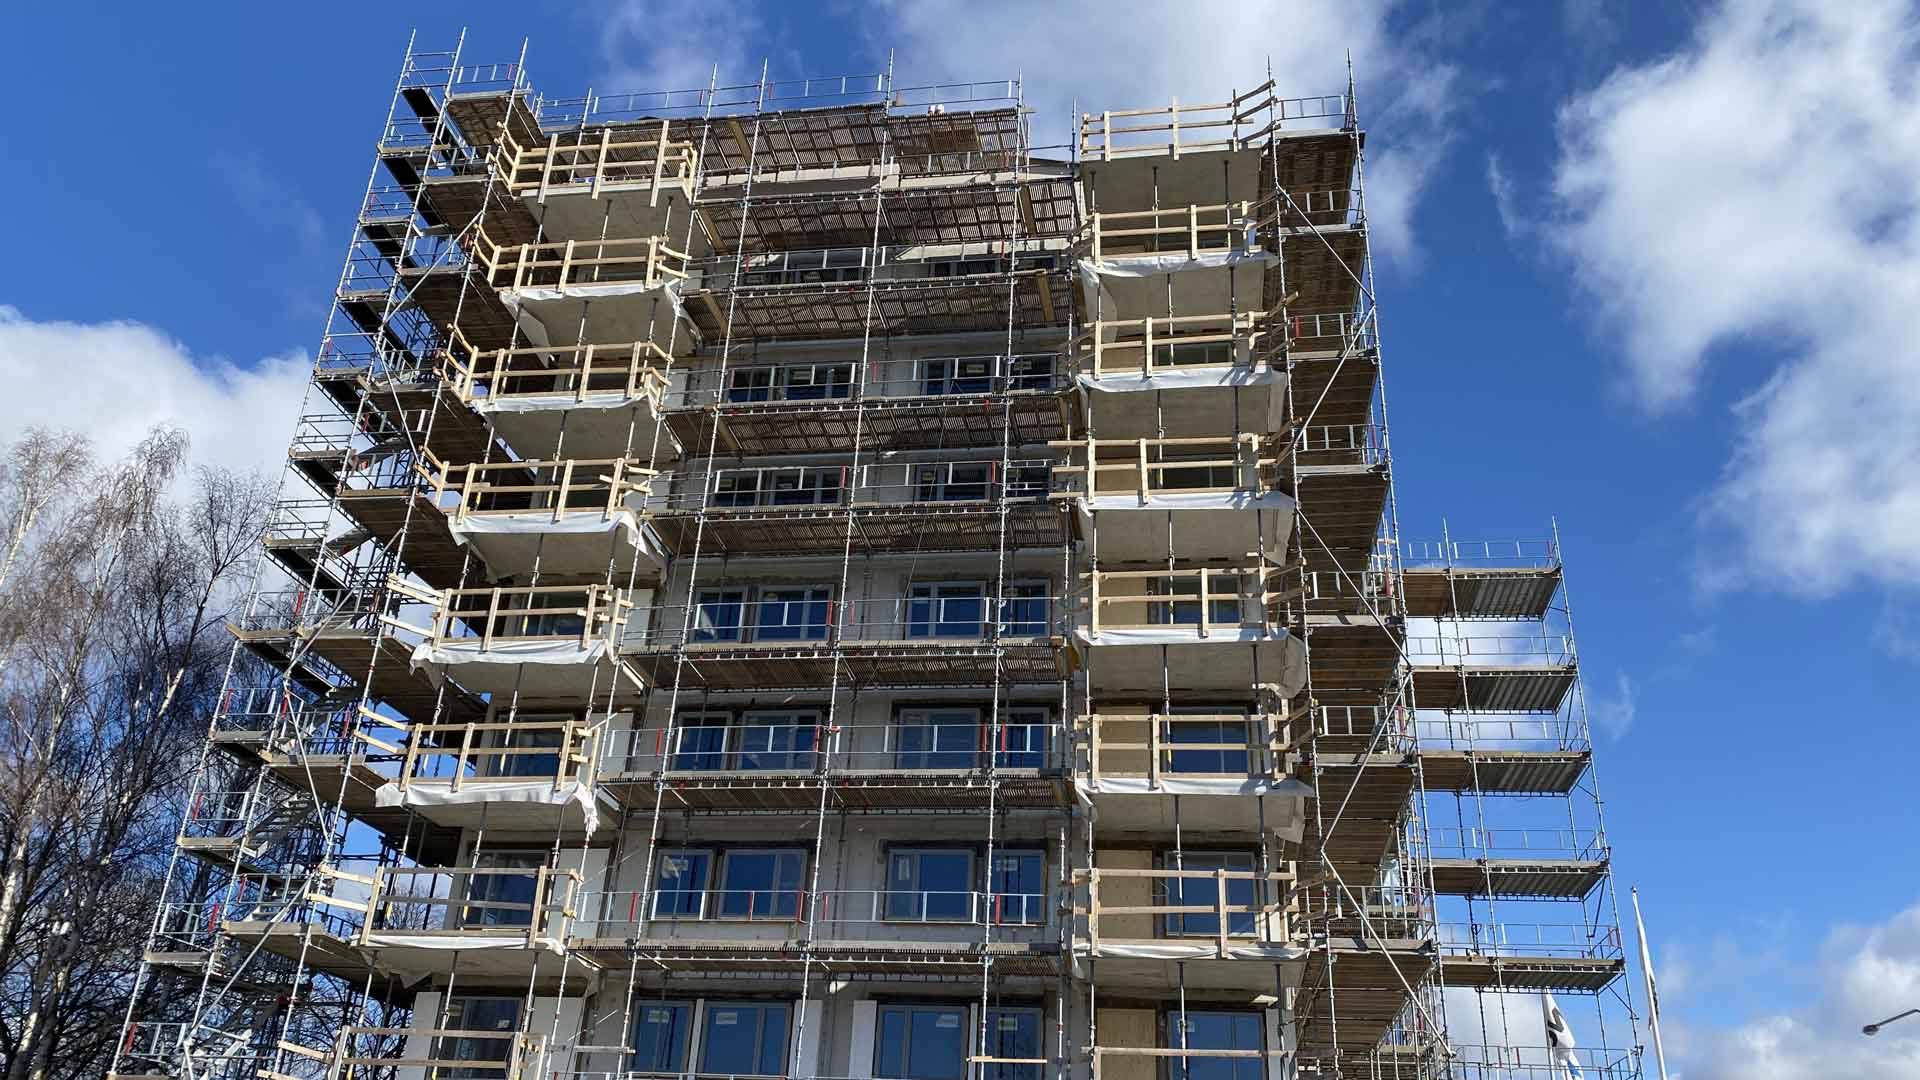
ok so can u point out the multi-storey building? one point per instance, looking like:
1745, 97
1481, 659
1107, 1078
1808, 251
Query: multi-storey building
793, 579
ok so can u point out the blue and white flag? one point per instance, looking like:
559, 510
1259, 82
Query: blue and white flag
1560, 1042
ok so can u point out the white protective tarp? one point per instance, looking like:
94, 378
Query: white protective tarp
1197, 377
454, 942
1178, 634
534, 792
1197, 785
529, 403
1191, 500
575, 523
1140, 266
515, 299
474, 651
1180, 950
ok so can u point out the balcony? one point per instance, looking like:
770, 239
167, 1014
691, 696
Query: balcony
1178, 352
1226, 926
577, 517
1204, 627
1177, 130
547, 643
529, 774
803, 638
1481, 579
600, 164
508, 925
936, 758
1567, 957
927, 508
851, 293
928, 403
631, 277
532, 394
379, 1053
866, 931
1225, 493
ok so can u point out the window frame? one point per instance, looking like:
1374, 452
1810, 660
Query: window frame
721, 890
918, 895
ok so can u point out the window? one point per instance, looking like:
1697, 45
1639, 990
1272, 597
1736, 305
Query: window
745, 1039
1221, 610
930, 885
749, 384
1032, 372
776, 740
757, 884
680, 884
1018, 888
718, 613
1193, 352
802, 487
1012, 1032
478, 1014
816, 382
737, 487
502, 899
535, 738
946, 609
1025, 734
1233, 735
957, 374
1025, 610
1216, 1030
791, 614
920, 1042
700, 742
937, 739
660, 1038
1029, 481
1178, 477
953, 481
546, 622
1205, 892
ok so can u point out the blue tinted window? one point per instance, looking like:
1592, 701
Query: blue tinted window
920, 1042
680, 883
930, 884
1207, 1030
746, 1039
660, 1038
761, 884
1012, 1033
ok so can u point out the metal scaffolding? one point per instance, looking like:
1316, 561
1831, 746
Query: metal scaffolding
770, 574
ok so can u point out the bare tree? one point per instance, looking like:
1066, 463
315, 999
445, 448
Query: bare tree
115, 580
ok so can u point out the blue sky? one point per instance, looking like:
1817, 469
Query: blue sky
1643, 269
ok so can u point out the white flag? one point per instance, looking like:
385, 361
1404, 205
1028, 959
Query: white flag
1560, 1042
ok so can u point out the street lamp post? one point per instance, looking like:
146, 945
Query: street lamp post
1874, 1029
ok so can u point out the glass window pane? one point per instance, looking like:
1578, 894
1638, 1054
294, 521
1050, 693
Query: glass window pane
1012, 1033
660, 1038
680, 887
938, 739
1204, 892
760, 884
1210, 1030
699, 742
745, 1039
1231, 734
921, 1042
1019, 894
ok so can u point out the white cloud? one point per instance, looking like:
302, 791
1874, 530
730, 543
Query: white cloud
1753, 198
114, 380
1863, 974
700, 36
1505, 200
1613, 713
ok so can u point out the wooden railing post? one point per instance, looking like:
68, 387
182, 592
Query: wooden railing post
659, 166
1206, 605
546, 166
460, 759
493, 617
586, 374
600, 163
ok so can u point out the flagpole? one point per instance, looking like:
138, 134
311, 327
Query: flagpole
1653, 995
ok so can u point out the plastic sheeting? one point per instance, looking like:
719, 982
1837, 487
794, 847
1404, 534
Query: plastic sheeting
1185, 378
1140, 266
1177, 634
527, 403
454, 942
535, 792
1183, 950
1197, 785
574, 523
1196, 500
555, 651
515, 299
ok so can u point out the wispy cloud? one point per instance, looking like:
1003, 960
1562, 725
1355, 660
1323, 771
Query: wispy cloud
1613, 712
114, 380
1505, 201
1756, 195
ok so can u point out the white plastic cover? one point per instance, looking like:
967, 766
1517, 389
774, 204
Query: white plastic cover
538, 792
556, 651
454, 942
526, 403
1198, 785
1195, 500
1197, 377
1181, 950
1139, 266
1177, 634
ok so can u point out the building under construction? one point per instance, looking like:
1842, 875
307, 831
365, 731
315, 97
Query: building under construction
795, 579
